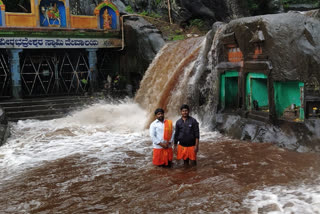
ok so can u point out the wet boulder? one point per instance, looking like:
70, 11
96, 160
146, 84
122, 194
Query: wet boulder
282, 53
291, 42
4, 128
142, 43
286, 49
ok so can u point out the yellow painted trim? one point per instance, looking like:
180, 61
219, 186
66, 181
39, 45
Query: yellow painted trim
68, 18
32, 6
20, 20
84, 22
80, 16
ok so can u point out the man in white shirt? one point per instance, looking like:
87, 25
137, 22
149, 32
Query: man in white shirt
161, 132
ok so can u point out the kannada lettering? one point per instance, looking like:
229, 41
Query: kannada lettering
51, 43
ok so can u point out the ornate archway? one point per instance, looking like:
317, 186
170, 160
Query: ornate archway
108, 16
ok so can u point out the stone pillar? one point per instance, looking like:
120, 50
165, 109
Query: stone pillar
68, 15
15, 72
37, 12
93, 58
93, 73
98, 22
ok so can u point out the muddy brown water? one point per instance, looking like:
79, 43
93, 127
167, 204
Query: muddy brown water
71, 166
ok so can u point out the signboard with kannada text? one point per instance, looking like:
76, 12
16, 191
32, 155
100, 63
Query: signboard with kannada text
35, 43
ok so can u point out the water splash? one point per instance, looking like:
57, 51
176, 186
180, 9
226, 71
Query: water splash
304, 198
100, 128
165, 73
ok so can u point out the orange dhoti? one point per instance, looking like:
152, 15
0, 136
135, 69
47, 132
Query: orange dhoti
162, 156
186, 153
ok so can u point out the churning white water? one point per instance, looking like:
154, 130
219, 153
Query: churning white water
301, 198
95, 131
98, 160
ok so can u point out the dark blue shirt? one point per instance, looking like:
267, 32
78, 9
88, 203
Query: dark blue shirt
186, 132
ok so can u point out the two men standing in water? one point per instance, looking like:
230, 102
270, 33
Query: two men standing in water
185, 138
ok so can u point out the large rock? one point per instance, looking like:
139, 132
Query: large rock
142, 43
290, 45
4, 128
291, 42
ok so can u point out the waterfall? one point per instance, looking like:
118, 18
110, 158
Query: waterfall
183, 72
169, 69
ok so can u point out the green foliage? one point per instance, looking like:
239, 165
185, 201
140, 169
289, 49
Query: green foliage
144, 13
300, 1
158, 2
129, 9
286, 3
153, 15
177, 37
253, 6
197, 23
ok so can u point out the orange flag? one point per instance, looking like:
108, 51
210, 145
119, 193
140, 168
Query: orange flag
167, 134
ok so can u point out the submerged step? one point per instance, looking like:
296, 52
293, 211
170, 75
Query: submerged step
37, 101
35, 112
41, 107
39, 117
258, 117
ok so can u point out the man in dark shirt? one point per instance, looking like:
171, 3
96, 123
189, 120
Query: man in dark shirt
187, 134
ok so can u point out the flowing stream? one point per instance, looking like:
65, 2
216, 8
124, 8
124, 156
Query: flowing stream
99, 159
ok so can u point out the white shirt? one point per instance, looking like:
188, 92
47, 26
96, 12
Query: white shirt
156, 133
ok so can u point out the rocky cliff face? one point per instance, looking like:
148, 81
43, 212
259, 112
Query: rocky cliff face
182, 10
143, 41
289, 46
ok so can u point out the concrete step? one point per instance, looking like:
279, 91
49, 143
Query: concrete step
18, 114
42, 108
9, 109
261, 113
39, 101
39, 117
260, 116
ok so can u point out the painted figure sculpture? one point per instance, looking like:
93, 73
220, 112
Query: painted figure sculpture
51, 12
107, 20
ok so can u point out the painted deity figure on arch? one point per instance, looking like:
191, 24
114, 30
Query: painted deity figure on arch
107, 20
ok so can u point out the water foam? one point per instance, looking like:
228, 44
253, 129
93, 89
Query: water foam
304, 198
96, 131
104, 131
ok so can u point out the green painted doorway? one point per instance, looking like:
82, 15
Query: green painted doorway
257, 97
288, 97
229, 90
